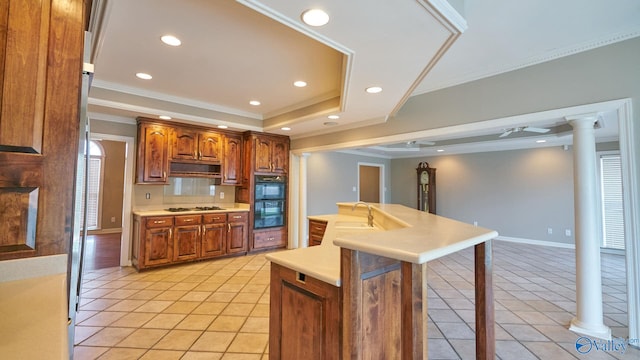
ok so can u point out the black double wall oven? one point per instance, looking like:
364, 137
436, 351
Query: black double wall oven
270, 199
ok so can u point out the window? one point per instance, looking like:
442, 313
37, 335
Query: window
94, 184
612, 209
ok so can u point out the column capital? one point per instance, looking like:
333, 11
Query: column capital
586, 119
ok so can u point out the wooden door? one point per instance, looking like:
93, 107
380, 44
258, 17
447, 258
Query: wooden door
263, 154
213, 240
155, 148
41, 46
279, 156
232, 161
210, 146
186, 242
158, 246
184, 144
369, 183
238, 236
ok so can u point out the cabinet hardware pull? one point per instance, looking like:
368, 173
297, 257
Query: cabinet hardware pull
170, 233
200, 152
204, 230
158, 222
188, 220
164, 175
237, 217
229, 225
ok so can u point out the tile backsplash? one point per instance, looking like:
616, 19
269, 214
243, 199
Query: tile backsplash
182, 191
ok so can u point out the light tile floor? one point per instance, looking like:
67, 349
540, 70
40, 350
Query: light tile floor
220, 309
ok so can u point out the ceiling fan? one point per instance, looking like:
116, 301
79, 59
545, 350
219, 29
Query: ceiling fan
508, 132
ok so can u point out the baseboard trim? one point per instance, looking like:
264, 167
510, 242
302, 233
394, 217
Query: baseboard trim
536, 242
104, 231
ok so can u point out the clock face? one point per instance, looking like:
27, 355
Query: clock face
424, 177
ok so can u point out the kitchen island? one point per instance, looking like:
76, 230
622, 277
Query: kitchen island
362, 293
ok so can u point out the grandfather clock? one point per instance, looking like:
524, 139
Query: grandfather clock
426, 187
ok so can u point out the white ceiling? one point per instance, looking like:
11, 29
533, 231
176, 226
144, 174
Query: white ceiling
236, 51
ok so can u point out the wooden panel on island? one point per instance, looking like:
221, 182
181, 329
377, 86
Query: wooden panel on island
313, 330
316, 231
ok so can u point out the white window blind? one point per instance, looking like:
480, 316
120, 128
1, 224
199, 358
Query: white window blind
93, 192
611, 190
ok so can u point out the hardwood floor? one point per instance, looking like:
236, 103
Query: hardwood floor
102, 251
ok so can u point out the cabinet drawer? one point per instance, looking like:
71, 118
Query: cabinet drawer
214, 218
187, 220
268, 239
160, 221
238, 217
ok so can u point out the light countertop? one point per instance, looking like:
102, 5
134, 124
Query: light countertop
226, 207
400, 233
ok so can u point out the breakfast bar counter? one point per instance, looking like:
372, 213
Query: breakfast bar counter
365, 287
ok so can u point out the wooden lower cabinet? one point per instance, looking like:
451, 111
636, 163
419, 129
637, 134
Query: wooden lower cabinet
269, 239
316, 231
165, 240
238, 232
186, 237
305, 317
214, 235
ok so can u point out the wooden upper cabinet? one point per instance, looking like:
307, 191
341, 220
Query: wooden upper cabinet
184, 144
153, 153
271, 154
23, 79
191, 144
232, 160
210, 146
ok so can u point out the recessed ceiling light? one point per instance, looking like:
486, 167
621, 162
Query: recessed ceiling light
144, 76
254, 102
300, 83
373, 89
315, 17
440, 150
222, 126
171, 40
333, 117
164, 117
330, 123
541, 141
285, 128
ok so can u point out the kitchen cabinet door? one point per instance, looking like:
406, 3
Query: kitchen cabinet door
262, 154
153, 154
213, 240
184, 144
316, 232
232, 160
186, 242
238, 233
158, 246
279, 156
210, 147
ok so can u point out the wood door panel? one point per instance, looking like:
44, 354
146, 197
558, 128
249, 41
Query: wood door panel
279, 156
302, 321
232, 161
185, 144
24, 54
213, 240
19, 212
156, 142
158, 246
210, 146
263, 155
186, 242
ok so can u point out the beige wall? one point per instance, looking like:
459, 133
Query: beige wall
113, 183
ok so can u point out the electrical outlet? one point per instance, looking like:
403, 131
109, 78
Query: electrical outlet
475, 223
567, 232
354, 189
147, 196
549, 231
113, 219
221, 195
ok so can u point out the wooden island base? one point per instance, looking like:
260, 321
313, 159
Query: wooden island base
379, 312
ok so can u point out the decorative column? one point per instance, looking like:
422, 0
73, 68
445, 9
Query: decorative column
303, 240
589, 314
